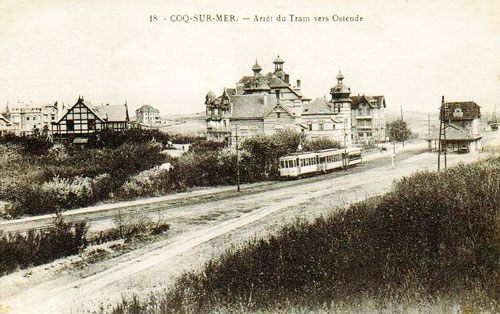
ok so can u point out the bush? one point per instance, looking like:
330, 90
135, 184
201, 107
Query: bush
114, 139
66, 178
435, 233
35, 145
136, 225
187, 139
40, 247
204, 146
148, 182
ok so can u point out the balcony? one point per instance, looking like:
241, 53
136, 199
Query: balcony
364, 117
364, 127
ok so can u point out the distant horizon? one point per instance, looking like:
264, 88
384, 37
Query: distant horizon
110, 52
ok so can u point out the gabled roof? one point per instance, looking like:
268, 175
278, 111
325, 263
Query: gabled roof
283, 109
317, 106
372, 101
107, 113
454, 133
470, 110
252, 106
113, 113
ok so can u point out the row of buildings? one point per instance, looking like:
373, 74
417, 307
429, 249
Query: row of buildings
77, 120
267, 103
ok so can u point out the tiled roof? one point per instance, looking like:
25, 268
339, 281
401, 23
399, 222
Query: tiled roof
113, 113
469, 109
454, 133
252, 106
372, 101
317, 106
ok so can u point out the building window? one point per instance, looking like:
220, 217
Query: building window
321, 126
310, 126
70, 125
278, 114
91, 123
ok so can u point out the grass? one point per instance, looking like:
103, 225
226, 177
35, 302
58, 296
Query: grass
432, 242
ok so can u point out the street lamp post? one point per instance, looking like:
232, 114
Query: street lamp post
346, 158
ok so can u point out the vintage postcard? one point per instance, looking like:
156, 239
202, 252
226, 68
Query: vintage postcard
324, 156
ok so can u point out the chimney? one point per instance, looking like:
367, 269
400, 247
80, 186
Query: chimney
287, 78
298, 83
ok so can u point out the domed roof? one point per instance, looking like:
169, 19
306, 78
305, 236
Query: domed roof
340, 90
256, 67
278, 60
211, 95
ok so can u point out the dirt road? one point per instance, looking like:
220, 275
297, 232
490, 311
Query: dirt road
199, 232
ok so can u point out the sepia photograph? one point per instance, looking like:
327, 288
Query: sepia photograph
270, 157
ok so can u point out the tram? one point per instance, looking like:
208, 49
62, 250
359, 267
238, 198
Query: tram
310, 163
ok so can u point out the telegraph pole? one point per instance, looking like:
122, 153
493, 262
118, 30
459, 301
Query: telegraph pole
443, 112
237, 161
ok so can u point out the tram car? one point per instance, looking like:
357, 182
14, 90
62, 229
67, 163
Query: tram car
310, 163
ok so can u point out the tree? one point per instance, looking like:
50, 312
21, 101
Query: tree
320, 144
267, 149
399, 131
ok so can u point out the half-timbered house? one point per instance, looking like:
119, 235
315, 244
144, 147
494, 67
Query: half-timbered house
83, 119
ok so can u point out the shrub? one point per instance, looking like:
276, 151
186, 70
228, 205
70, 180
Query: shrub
148, 182
40, 247
135, 225
433, 234
200, 147
35, 145
114, 139
187, 139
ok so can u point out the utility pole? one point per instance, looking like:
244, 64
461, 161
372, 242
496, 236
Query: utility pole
237, 161
443, 113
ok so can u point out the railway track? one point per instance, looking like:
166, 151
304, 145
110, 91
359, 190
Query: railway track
110, 211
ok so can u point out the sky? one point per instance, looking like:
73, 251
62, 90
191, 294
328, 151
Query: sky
108, 51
